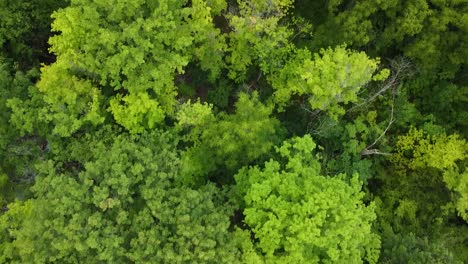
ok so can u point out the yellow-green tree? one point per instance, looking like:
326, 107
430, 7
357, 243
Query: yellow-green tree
300, 216
122, 58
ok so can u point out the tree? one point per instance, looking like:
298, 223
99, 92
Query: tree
333, 77
258, 37
429, 34
419, 155
228, 141
423, 191
124, 205
325, 79
177, 131
123, 57
345, 142
299, 216
20, 148
423, 30
408, 248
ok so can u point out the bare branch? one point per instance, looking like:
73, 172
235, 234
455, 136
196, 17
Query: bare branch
368, 150
400, 68
385, 131
254, 82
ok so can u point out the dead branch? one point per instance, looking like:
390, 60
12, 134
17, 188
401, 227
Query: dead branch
400, 68
368, 150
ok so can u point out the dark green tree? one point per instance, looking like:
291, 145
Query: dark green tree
25, 29
122, 206
228, 141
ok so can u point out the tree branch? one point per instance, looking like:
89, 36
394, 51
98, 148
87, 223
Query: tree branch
400, 69
368, 150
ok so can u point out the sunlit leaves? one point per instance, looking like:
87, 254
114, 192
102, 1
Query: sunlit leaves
458, 183
195, 114
327, 81
72, 101
418, 150
258, 38
299, 216
136, 111
130, 51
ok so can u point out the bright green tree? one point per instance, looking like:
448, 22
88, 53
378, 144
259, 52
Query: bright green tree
299, 216
122, 57
333, 77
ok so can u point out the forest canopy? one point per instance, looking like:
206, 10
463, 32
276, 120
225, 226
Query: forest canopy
223, 131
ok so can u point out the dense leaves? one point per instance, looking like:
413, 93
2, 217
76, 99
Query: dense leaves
223, 131
333, 77
127, 55
24, 30
229, 141
299, 216
120, 207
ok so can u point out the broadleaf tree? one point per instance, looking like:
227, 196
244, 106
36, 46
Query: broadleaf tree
300, 216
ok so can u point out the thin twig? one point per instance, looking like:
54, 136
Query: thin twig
252, 83
400, 69
368, 150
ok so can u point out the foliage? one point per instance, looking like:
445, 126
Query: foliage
458, 184
228, 141
19, 149
431, 32
448, 97
109, 56
151, 132
415, 193
344, 142
258, 37
333, 77
24, 30
408, 248
299, 216
220, 95
417, 150
123, 206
